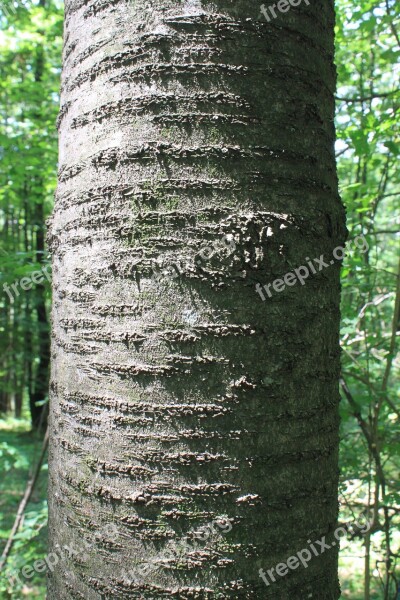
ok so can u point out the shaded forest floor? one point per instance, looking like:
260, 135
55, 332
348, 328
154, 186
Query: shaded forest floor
19, 451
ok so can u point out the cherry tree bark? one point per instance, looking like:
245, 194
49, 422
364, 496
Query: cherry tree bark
194, 425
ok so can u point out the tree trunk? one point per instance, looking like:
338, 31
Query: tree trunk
7, 344
40, 383
196, 160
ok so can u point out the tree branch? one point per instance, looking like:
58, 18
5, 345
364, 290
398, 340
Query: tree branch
367, 98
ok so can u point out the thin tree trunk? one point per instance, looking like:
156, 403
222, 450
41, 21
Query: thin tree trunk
29, 357
7, 331
41, 378
18, 367
41, 373
181, 399
5, 360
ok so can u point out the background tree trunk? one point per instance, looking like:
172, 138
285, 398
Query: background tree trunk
40, 383
180, 400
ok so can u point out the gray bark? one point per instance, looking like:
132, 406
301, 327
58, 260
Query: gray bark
181, 400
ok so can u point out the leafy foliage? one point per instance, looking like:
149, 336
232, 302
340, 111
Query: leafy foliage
368, 146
